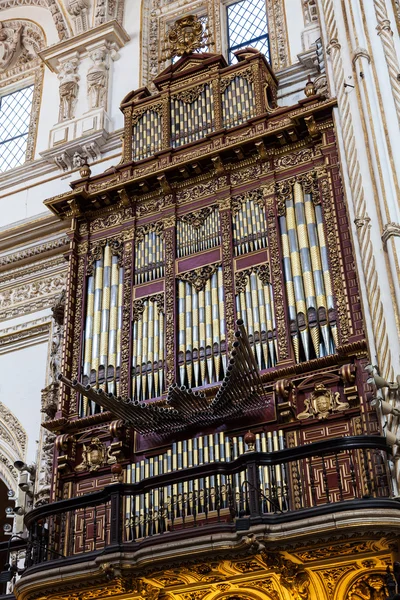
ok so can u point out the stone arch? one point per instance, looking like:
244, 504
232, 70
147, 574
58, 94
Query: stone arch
61, 24
13, 445
270, 590
364, 581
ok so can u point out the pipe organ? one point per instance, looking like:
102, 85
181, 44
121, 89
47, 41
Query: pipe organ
307, 274
102, 338
255, 306
223, 211
201, 327
147, 133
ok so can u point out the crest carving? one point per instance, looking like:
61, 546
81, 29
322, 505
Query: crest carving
94, 456
321, 403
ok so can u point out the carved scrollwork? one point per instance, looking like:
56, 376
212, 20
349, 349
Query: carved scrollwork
96, 252
158, 228
196, 219
199, 277
242, 277
139, 306
247, 74
189, 96
255, 196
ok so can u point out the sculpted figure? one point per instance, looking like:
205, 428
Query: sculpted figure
68, 89
97, 79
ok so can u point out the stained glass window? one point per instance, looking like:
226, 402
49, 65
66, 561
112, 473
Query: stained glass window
247, 26
15, 114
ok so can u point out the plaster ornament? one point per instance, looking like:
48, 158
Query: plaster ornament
10, 45
78, 9
321, 403
94, 456
107, 10
97, 79
69, 88
310, 11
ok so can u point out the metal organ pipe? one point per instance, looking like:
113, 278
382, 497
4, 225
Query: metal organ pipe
201, 330
307, 277
103, 323
148, 352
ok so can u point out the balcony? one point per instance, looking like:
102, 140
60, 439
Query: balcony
317, 481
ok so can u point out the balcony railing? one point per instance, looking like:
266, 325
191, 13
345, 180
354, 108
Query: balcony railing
318, 478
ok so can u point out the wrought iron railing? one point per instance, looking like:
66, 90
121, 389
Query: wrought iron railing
317, 478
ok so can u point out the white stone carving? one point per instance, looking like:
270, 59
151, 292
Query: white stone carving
28, 297
68, 77
51, 5
310, 11
97, 78
108, 10
78, 9
20, 41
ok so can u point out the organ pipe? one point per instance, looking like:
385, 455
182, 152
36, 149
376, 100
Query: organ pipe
237, 101
198, 231
307, 277
147, 135
148, 348
149, 255
249, 223
192, 115
254, 304
102, 338
201, 327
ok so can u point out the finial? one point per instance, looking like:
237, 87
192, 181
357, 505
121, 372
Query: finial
85, 170
310, 89
250, 441
185, 36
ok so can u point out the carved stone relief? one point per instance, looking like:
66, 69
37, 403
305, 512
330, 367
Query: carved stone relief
107, 10
97, 79
68, 77
78, 9
51, 5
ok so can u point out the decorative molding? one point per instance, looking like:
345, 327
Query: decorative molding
110, 32
20, 41
32, 251
31, 296
390, 230
386, 34
24, 334
51, 5
10, 421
